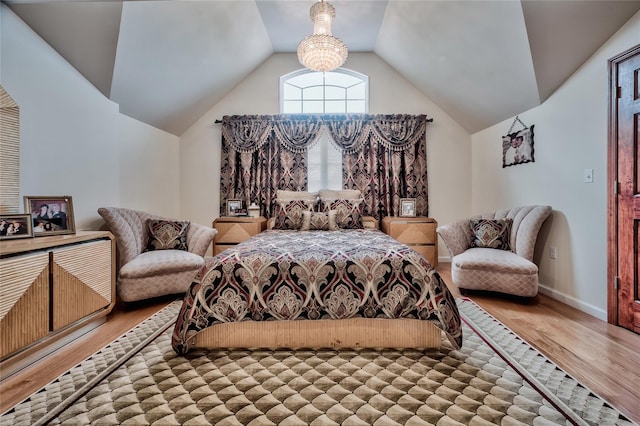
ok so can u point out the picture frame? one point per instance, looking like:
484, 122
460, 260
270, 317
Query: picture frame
407, 207
234, 207
517, 147
14, 226
50, 215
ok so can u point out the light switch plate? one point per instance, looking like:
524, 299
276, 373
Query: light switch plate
588, 175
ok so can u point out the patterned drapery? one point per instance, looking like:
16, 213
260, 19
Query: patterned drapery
384, 156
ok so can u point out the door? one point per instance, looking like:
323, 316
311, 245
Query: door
624, 198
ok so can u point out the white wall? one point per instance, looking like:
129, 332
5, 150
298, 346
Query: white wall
449, 157
71, 135
149, 168
570, 136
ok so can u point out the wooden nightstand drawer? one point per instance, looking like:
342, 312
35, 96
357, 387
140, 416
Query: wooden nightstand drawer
419, 233
234, 230
428, 252
413, 232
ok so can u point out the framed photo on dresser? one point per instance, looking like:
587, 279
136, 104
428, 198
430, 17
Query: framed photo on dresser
14, 226
50, 215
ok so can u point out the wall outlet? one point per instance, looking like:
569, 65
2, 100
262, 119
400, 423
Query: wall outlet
553, 252
588, 175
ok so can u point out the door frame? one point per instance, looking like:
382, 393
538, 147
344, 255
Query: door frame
612, 186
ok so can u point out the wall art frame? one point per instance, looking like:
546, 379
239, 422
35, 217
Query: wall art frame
517, 146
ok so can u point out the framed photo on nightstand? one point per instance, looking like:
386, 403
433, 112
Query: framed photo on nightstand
407, 207
234, 207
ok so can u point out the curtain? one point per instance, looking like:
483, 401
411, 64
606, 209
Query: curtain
384, 156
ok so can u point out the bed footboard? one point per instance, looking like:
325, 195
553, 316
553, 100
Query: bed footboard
347, 333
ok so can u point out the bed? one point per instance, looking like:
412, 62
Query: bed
342, 288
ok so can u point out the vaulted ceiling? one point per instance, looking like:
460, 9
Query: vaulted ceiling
168, 62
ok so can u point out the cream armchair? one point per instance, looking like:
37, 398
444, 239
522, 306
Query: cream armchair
146, 274
505, 271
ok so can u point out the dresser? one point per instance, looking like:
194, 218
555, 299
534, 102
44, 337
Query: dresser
52, 289
233, 230
419, 233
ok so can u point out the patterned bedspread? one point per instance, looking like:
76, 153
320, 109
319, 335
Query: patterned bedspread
307, 275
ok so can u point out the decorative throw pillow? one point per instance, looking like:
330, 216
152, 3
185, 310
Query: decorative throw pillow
319, 221
349, 212
167, 235
288, 213
491, 233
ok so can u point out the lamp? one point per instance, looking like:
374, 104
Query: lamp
322, 51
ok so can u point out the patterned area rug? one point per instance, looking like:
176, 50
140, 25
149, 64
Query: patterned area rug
495, 378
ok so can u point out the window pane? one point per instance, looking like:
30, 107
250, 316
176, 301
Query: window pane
324, 166
356, 107
356, 92
333, 92
312, 93
335, 107
341, 79
307, 79
313, 107
292, 107
291, 92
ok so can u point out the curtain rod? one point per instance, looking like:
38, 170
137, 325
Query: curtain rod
218, 121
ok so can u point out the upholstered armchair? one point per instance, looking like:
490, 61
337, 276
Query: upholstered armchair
505, 264
144, 273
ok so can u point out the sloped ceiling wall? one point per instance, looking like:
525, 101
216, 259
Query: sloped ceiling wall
168, 62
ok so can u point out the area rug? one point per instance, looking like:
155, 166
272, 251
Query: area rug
495, 378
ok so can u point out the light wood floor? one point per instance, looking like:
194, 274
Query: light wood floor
603, 357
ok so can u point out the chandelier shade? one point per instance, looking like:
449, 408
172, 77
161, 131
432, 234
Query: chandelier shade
322, 51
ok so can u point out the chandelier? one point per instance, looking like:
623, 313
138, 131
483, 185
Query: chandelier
322, 51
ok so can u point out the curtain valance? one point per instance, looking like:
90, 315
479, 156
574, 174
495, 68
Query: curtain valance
349, 133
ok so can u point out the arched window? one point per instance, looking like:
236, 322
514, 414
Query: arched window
336, 92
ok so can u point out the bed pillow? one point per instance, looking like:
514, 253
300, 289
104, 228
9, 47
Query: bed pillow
349, 212
319, 221
343, 194
285, 195
491, 233
288, 213
167, 235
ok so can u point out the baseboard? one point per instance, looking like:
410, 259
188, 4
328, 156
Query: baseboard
573, 302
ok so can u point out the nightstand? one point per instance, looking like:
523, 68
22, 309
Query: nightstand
419, 233
233, 230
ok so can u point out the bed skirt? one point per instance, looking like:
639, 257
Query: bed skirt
345, 333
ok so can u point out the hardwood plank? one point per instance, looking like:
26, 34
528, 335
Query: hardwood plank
605, 358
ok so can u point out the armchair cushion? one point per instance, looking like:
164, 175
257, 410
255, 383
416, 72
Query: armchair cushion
161, 262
